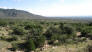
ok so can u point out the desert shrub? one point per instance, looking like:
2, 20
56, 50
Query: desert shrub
3, 23
52, 31
19, 31
40, 41
34, 29
58, 39
54, 37
14, 47
68, 30
3, 37
13, 38
12, 23
90, 24
61, 25
29, 26
63, 38
79, 29
30, 46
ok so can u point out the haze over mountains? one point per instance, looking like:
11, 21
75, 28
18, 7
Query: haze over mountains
21, 14
13, 13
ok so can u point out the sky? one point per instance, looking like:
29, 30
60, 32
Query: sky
51, 7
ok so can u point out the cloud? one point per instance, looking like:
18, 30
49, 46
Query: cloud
62, 9
83, 9
4, 7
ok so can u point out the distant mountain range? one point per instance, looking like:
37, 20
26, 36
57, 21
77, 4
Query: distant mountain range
21, 14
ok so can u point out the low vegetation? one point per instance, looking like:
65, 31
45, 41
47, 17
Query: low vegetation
34, 35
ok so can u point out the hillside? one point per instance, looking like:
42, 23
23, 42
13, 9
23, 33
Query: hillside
21, 14
43, 36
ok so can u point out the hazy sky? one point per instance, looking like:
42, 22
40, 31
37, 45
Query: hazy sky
51, 7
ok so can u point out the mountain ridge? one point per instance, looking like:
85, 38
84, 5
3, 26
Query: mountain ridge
13, 13
22, 14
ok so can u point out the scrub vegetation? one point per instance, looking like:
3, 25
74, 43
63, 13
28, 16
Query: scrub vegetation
46, 36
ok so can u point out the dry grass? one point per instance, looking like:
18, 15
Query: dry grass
80, 47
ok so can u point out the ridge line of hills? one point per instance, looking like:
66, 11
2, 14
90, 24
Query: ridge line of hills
13, 13
21, 14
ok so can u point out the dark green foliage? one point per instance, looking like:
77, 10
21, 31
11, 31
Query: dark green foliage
30, 45
63, 38
13, 38
2, 38
14, 46
61, 25
68, 30
40, 41
79, 29
52, 31
19, 31
3, 23
36, 30
90, 24
54, 37
28, 27
32, 34
84, 33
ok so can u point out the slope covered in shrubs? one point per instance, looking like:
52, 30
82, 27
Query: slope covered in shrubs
28, 35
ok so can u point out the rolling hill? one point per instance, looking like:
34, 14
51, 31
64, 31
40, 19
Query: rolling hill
20, 14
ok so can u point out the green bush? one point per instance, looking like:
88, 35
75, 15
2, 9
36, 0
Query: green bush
40, 41
13, 38
19, 31
14, 46
3, 23
52, 31
30, 46
68, 30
